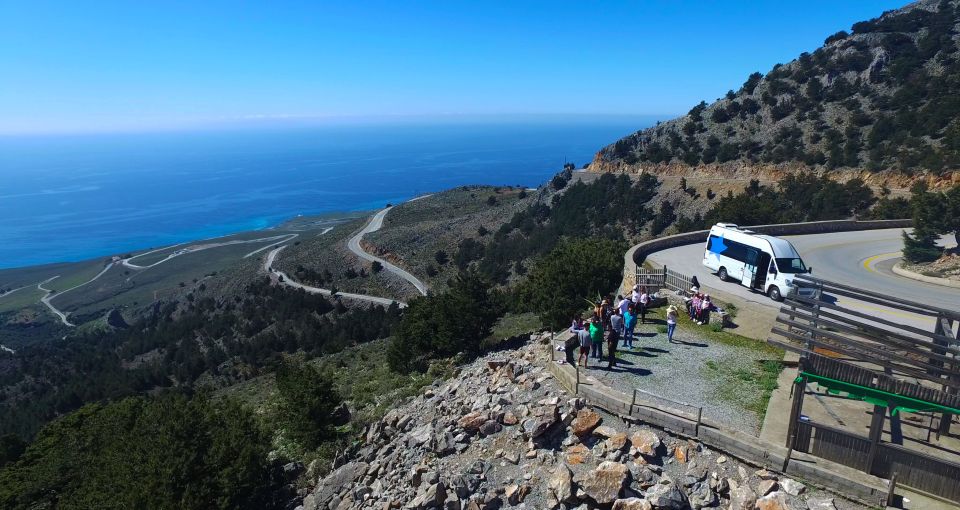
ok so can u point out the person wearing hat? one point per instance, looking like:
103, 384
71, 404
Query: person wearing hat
671, 322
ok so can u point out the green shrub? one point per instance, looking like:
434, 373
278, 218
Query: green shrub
574, 271
716, 326
162, 452
307, 402
443, 325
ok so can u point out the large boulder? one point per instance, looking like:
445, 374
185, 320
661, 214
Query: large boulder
646, 442
471, 422
604, 431
667, 495
742, 498
792, 487
605, 483
545, 418
585, 422
561, 484
419, 435
774, 501
632, 504
337, 481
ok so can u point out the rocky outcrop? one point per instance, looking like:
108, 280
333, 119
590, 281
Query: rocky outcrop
742, 172
504, 434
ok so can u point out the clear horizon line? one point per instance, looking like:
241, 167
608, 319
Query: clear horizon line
279, 120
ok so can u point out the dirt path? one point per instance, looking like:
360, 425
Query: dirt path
285, 279
375, 223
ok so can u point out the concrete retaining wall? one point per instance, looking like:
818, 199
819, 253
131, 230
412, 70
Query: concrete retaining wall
638, 253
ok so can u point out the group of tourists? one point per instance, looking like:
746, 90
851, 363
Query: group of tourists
615, 321
699, 306
609, 323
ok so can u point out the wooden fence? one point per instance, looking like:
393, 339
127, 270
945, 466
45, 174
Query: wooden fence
663, 278
909, 467
873, 353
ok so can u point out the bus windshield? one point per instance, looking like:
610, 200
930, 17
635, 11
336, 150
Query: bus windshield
791, 266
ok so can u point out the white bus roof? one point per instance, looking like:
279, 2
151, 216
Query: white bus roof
782, 249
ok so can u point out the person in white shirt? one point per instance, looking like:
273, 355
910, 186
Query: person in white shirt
635, 296
644, 303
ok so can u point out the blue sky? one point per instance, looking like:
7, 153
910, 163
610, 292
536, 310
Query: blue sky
101, 66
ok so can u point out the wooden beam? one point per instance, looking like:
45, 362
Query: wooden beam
886, 298
853, 327
869, 353
849, 352
804, 303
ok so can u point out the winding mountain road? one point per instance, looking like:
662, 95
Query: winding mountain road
284, 279
375, 223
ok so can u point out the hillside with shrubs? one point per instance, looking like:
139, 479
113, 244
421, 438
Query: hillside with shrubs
881, 96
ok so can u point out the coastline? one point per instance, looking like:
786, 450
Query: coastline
293, 223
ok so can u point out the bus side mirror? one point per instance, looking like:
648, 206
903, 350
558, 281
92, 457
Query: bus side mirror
810, 270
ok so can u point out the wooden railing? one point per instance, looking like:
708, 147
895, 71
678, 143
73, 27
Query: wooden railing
838, 342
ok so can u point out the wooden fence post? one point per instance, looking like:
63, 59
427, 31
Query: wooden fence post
891, 489
876, 432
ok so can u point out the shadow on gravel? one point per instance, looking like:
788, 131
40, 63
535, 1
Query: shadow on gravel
691, 344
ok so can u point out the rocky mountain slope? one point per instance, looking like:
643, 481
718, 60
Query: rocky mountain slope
881, 103
503, 433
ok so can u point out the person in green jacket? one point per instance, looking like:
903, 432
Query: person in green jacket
596, 337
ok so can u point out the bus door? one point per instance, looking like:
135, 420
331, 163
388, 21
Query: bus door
750, 267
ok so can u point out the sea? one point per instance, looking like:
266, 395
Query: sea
75, 197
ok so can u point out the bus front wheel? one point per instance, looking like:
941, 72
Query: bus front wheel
722, 274
774, 293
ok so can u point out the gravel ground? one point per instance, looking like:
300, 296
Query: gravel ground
722, 378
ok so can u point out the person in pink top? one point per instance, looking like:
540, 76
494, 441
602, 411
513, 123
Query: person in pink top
705, 307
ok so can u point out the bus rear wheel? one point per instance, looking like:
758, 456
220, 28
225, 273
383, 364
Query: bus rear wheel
722, 274
774, 293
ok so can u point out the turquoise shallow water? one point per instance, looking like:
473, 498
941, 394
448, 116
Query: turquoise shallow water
65, 198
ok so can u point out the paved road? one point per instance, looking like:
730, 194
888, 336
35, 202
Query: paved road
286, 280
375, 223
862, 259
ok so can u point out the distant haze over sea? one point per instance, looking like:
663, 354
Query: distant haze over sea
67, 198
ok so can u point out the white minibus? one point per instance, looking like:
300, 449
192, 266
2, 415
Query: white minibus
760, 262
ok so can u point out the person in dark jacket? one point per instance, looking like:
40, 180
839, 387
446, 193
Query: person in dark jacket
613, 336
